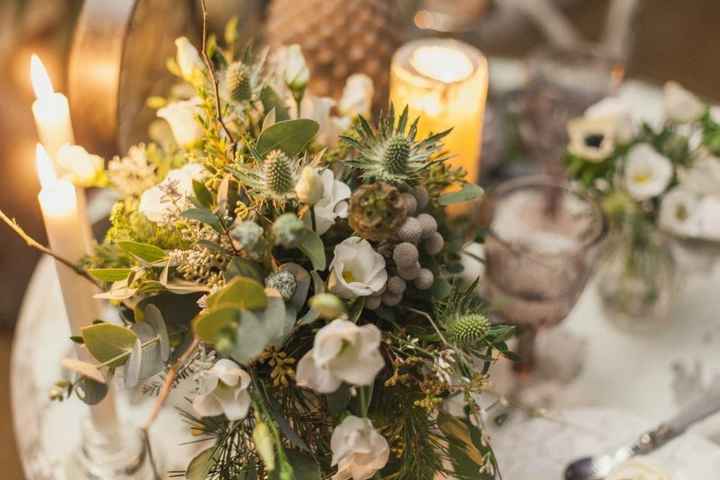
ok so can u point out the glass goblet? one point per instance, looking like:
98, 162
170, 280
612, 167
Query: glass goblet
543, 241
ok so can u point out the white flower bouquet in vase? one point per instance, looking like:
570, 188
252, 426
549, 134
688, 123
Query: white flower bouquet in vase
660, 186
292, 265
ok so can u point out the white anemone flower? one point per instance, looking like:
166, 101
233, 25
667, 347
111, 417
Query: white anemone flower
332, 205
592, 139
167, 199
647, 173
342, 352
357, 96
188, 58
223, 390
681, 105
183, 119
357, 270
679, 213
359, 450
618, 113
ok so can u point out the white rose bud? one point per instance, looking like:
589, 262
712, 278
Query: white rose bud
188, 58
83, 168
182, 117
309, 188
297, 74
681, 105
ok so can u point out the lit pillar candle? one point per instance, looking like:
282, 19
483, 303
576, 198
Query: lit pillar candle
445, 82
50, 109
62, 217
52, 119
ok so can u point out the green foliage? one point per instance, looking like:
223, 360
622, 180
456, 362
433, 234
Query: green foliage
109, 344
128, 224
467, 193
391, 153
289, 136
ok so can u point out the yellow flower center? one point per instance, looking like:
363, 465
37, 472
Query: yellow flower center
348, 276
642, 177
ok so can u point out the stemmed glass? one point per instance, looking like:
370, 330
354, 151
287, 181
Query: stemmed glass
543, 241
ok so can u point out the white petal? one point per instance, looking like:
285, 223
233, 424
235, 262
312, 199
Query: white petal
235, 402
321, 380
207, 405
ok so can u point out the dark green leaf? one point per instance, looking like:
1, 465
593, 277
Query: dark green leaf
312, 246
202, 194
144, 251
469, 192
110, 274
290, 136
242, 267
90, 391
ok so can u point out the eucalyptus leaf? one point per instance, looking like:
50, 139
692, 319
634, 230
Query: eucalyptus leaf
133, 366
109, 344
90, 391
272, 101
143, 251
83, 368
312, 246
110, 274
242, 293
467, 193
252, 338
209, 324
200, 466
202, 194
202, 215
290, 136
153, 317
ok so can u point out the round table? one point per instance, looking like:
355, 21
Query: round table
648, 375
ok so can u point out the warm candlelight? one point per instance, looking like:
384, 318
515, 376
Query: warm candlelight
51, 110
444, 81
63, 222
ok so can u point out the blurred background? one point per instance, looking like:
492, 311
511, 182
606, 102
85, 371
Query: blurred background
669, 40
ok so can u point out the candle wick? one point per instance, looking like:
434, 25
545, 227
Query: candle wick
32, 243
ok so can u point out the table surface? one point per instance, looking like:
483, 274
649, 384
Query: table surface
645, 375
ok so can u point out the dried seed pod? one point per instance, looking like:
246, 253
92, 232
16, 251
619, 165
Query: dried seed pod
434, 244
405, 255
424, 279
410, 231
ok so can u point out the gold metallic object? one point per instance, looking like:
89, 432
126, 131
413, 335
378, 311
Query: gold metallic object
118, 60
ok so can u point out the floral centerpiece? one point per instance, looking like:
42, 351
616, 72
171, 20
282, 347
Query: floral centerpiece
292, 264
652, 179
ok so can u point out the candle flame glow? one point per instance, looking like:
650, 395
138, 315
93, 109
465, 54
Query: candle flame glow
45, 169
445, 64
41, 83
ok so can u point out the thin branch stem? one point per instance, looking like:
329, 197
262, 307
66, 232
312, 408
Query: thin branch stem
168, 383
32, 243
213, 79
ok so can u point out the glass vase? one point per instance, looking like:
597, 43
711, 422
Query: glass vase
637, 282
